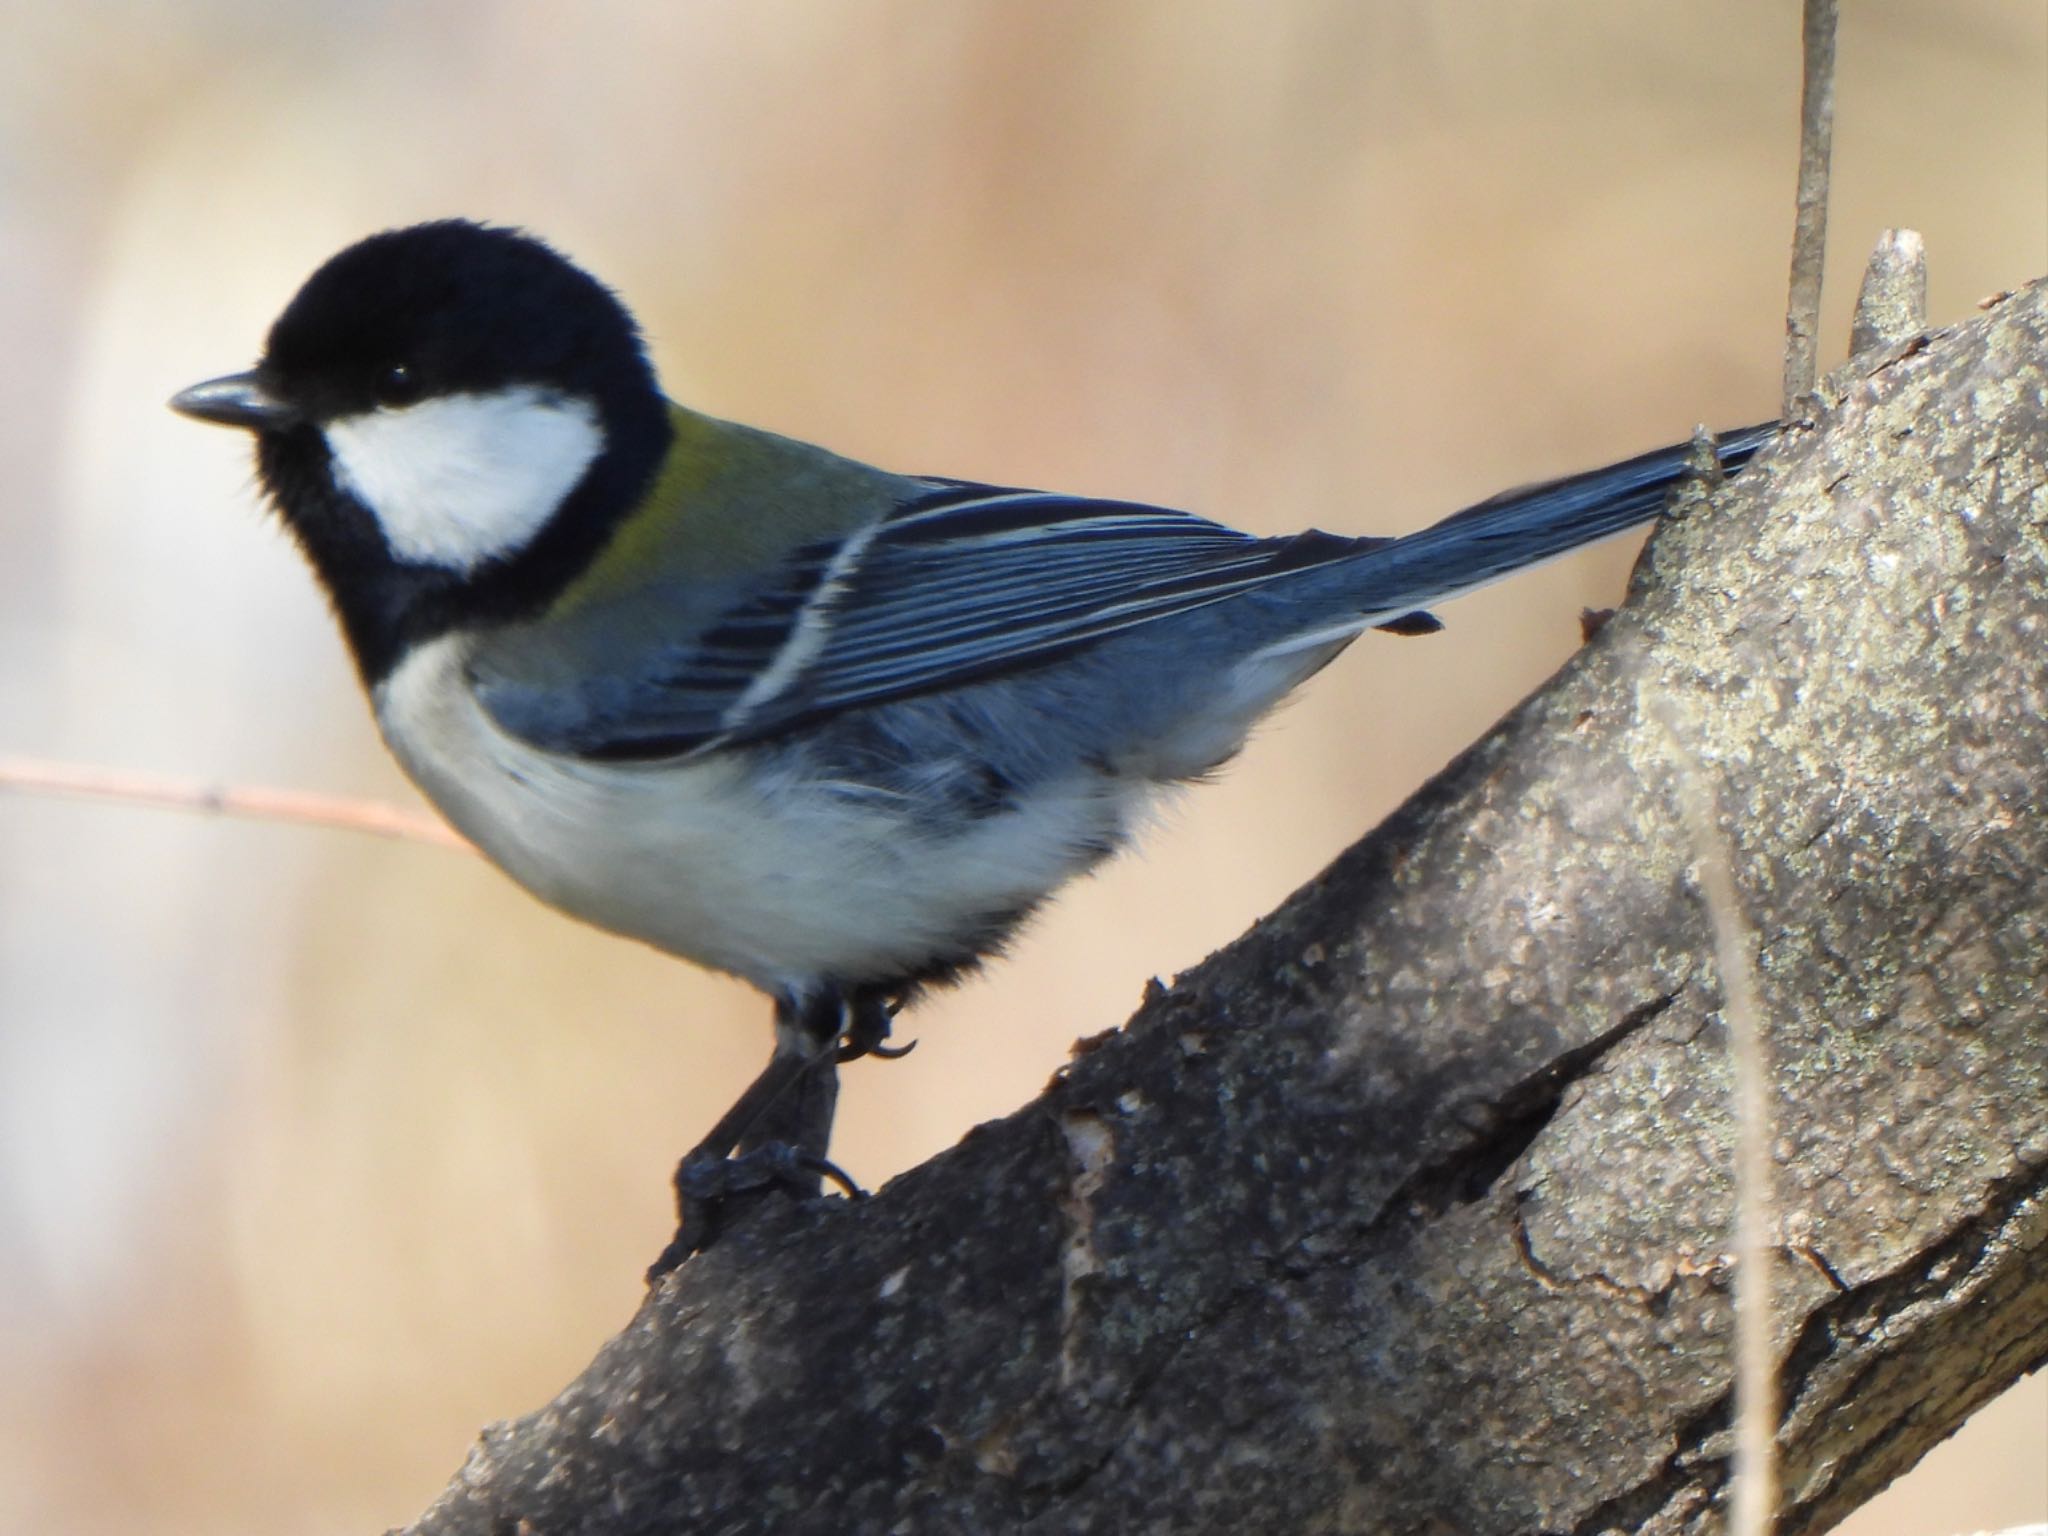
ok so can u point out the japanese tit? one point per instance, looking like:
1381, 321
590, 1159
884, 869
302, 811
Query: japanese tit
828, 728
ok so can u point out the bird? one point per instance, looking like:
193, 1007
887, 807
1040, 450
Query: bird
831, 729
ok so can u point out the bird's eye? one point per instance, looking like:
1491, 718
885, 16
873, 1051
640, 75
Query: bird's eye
397, 385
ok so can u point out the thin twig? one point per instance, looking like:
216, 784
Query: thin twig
40, 776
1756, 1388
1810, 226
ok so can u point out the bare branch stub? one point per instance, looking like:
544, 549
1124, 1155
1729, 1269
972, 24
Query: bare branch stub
1404, 1213
1891, 306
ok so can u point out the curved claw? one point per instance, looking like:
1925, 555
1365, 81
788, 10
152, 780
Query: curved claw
868, 1026
824, 1167
852, 1049
670, 1259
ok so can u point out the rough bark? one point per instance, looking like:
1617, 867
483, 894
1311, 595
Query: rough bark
1407, 1212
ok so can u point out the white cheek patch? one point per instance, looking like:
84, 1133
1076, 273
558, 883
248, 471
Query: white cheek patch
461, 479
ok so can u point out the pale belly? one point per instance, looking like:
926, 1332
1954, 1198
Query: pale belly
775, 876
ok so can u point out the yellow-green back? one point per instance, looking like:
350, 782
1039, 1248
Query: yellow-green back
727, 501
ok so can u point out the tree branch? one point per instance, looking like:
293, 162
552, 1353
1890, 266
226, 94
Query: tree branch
1406, 1213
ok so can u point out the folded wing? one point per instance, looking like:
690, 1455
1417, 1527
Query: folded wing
963, 583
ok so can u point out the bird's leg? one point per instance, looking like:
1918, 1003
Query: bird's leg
776, 1132
798, 1121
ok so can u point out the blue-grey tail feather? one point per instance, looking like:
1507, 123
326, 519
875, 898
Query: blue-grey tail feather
1524, 527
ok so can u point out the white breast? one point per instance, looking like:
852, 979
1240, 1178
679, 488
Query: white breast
774, 877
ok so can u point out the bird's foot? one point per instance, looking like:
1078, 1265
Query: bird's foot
707, 1186
869, 1022
767, 1165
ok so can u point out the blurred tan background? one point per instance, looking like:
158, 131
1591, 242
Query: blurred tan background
317, 1152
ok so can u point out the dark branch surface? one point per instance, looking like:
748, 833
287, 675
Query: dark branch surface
1407, 1213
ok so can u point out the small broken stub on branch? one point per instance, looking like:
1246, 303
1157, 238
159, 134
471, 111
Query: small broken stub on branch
1891, 306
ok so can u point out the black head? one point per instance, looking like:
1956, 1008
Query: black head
451, 418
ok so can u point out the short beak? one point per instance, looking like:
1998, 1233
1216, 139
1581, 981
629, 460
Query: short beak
237, 400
